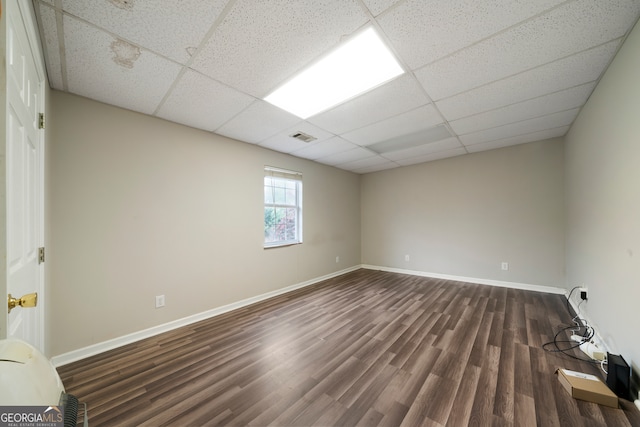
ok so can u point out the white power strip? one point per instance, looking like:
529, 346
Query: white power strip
590, 348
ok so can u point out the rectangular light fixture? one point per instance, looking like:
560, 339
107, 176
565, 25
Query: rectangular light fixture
355, 67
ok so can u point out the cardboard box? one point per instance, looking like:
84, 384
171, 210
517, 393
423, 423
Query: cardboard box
587, 387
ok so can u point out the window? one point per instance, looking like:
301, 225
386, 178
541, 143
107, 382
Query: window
282, 207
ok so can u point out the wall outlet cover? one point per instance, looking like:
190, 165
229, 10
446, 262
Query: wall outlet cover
159, 301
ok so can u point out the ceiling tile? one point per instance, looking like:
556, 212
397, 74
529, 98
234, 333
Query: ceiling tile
571, 28
260, 44
169, 28
547, 104
426, 136
369, 162
111, 70
433, 147
406, 123
200, 102
324, 148
572, 71
51, 46
357, 153
257, 123
283, 141
431, 157
375, 168
424, 31
501, 72
398, 96
376, 7
552, 121
520, 139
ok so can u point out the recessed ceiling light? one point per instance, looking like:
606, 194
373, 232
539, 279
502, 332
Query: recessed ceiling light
357, 66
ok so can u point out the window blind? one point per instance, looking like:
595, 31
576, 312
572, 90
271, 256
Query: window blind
282, 173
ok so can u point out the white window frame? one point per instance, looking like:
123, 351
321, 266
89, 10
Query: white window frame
293, 205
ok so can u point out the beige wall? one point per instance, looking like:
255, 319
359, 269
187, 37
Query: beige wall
465, 215
139, 207
603, 203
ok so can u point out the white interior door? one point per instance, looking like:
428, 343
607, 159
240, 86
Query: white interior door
24, 174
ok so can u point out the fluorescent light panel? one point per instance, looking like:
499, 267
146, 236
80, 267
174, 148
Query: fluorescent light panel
357, 66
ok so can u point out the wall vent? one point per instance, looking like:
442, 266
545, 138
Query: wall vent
303, 136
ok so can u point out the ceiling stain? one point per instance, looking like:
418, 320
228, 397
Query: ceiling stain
122, 4
191, 50
125, 54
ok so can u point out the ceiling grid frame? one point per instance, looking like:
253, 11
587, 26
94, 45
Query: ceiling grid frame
470, 28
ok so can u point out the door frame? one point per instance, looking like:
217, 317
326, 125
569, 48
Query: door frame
28, 20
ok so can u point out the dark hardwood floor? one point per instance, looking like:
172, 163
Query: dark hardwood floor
367, 348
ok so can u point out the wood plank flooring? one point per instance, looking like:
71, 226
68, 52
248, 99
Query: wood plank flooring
368, 348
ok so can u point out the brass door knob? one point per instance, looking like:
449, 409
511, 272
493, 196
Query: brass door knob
28, 300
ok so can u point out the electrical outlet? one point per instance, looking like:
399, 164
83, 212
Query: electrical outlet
583, 293
505, 266
407, 258
159, 301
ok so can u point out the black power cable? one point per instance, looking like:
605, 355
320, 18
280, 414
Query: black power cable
588, 334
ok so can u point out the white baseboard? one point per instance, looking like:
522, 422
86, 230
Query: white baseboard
490, 282
525, 286
94, 349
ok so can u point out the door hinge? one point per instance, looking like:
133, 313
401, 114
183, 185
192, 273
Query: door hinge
40, 255
41, 121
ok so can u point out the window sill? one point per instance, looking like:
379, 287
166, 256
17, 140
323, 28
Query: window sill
280, 245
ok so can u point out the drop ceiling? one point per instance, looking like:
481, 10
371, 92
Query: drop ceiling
479, 74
